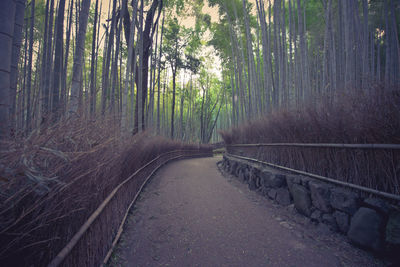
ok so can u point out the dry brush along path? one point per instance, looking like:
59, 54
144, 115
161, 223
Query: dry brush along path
192, 215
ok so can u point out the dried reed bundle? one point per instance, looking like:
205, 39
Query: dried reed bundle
52, 180
354, 119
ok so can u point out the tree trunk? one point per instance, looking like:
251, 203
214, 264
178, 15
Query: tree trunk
266, 53
58, 59
365, 58
202, 117
147, 32
7, 15
333, 58
301, 56
251, 65
22, 92
29, 75
128, 67
181, 114
291, 71
284, 58
77, 68
63, 93
325, 61
47, 67
277, 88
394, 46
246, 100
173, 101
15, 57
114, 70
93, 64
234, 59
139, 97
106, 68
159, 74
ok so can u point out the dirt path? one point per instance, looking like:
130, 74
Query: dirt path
191, 215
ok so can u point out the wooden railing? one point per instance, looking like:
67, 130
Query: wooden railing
320, 145
92, 245
319, 177
374, 166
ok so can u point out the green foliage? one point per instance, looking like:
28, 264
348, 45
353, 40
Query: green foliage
178, 6
221, 42
180, 45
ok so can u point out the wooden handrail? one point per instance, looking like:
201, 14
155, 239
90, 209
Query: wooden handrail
322, 178
353, 146
82, 230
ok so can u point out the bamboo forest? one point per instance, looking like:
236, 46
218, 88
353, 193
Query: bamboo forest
97, 95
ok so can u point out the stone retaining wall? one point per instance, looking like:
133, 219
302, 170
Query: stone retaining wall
369, 222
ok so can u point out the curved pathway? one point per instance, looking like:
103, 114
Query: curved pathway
192, 215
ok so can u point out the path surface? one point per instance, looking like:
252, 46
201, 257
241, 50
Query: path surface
192, 215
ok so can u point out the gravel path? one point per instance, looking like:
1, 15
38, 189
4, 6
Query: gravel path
192, 215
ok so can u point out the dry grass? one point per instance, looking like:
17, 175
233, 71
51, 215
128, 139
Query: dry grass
50, 182
350, 119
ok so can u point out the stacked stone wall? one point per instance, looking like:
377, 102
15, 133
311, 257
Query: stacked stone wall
369, 222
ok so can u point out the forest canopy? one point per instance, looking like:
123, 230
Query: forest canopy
186, 69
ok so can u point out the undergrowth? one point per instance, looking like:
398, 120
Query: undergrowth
52, 180
351, 118
355, 119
